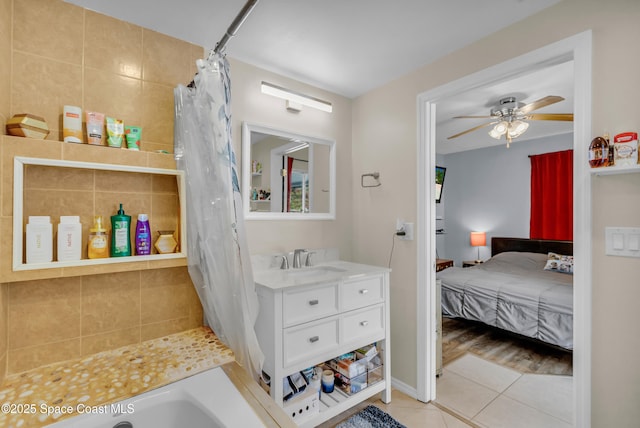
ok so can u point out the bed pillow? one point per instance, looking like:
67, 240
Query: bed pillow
559, 263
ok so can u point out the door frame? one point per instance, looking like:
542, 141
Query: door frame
578, 49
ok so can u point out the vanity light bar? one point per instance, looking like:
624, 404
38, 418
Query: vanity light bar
296, 97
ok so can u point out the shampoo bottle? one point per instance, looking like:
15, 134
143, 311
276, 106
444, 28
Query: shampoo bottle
69, 238
120, 234
98, 247
143, 236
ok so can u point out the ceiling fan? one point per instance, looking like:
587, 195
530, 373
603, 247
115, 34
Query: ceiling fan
510, 116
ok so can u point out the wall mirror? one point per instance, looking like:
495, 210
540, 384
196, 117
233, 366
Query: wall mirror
287, 176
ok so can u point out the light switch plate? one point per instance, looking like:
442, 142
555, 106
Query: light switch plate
622, 241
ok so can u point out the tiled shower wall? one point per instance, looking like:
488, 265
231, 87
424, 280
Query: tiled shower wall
52, 54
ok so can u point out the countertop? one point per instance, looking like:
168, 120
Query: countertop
107, 377
275, 278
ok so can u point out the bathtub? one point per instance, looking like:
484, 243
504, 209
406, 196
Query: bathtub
208, 399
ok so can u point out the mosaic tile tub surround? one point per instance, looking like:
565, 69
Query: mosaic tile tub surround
50, 393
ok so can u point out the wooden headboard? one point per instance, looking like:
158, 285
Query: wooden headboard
501, 245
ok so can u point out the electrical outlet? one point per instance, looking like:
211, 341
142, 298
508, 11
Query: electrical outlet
399, 224
408, 232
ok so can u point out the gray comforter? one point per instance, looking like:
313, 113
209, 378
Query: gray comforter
512, 291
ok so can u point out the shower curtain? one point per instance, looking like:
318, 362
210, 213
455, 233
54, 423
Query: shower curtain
217, 252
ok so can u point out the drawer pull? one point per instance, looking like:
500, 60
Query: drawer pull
313, 302
314, 339
364, 291
364, 323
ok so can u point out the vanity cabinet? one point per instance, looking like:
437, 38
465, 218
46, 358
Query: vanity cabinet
303, 324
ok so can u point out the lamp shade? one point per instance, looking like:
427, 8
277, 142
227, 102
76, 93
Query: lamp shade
478, 239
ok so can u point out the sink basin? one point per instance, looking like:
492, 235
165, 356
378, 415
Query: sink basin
314, 271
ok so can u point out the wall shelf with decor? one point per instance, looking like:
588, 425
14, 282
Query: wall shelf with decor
69, 182
615, 170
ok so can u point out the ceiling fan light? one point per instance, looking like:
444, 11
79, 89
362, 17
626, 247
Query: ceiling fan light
498, 130
518, 128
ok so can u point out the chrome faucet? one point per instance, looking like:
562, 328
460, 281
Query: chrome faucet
296, 257
285, 262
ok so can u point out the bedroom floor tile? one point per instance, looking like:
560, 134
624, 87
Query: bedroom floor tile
505, 412
462, 395
486, 373
551, 394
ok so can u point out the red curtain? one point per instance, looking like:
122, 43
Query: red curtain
552, 196
289, 171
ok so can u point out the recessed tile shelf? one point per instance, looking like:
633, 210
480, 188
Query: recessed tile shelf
614, 170
18, 212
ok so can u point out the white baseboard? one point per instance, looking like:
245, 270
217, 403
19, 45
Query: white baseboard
404, 388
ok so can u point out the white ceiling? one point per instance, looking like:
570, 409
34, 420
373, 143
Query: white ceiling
352, 46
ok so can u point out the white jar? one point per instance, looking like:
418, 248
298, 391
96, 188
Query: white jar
39, 239
69, 238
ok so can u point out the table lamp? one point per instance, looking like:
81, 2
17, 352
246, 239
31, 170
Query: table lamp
478, 239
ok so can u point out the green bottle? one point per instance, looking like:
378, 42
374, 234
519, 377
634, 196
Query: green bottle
120, 234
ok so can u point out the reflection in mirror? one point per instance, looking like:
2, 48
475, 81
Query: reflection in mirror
287, 175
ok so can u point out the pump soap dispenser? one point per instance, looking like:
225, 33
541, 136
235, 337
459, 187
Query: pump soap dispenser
120, 234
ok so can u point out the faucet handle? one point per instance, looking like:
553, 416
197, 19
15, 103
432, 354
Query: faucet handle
308, 261
285, 262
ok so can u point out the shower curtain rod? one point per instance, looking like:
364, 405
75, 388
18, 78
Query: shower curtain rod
232, 30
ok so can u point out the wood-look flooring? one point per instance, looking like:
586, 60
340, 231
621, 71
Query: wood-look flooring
525, 355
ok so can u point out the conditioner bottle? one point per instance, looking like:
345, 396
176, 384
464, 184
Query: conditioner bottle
143, 236
120, 234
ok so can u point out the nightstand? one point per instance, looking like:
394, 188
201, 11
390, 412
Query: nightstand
442, 264
470, 263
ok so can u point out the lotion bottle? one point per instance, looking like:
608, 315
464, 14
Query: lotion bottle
143, 236
98, 247
69, 238
120, 234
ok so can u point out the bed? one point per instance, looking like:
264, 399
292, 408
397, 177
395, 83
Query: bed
513, 291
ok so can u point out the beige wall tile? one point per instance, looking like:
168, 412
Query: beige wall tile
3, 366
164, 328
4, 319
114, 95
43, 86
110, 302
165, 211
124, 181
51, 29
47, 177
165, 59
42, 312
110, 340
164, 184
89, 153
157, 123
108, 203
160, 160
165, 295
24, 359
112, 45
58, 202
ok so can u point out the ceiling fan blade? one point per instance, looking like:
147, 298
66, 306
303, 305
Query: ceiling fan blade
472, 129
542, 102
473, 117
567, 117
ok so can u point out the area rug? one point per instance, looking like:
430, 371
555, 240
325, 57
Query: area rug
370, 417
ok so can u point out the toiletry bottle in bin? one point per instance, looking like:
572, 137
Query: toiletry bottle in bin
120, 234
143, 236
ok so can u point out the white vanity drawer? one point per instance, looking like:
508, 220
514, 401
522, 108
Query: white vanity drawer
363, 323
309, 303
362, 292
304, 342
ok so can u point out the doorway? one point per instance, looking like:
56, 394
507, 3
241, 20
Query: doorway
578, 50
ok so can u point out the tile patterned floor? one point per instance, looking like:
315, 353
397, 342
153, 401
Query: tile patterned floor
482, 394
492, 396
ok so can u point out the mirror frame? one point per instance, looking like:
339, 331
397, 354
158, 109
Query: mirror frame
247, 129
